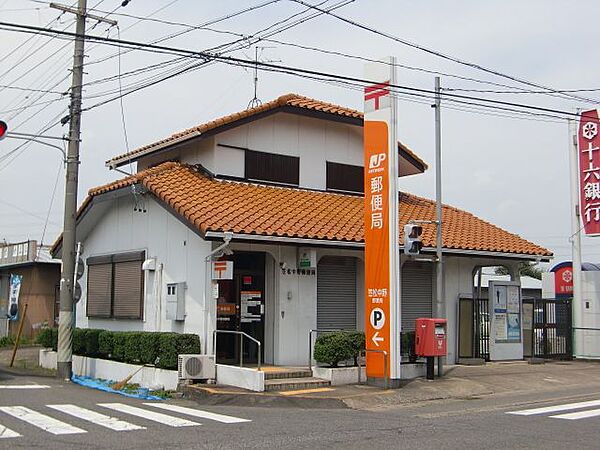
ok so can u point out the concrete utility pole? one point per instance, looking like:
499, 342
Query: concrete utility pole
577, 320
65, 318
440, 306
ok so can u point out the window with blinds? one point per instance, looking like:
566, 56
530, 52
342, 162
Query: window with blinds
115, 286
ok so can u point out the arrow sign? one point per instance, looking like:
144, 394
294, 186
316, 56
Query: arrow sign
377, 339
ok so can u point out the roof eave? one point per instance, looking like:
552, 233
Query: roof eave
360, 245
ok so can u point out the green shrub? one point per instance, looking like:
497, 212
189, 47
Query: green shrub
44, 338
7, 341
120, 341
48, 338
105, 344
357, 340
79, 341
92, 346
149, 346
135, 347
172, 344
331, 348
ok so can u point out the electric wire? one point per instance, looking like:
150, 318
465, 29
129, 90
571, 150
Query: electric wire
440, 54
275, 67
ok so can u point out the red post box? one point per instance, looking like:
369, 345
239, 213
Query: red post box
430, 337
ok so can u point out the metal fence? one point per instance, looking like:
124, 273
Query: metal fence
551, 329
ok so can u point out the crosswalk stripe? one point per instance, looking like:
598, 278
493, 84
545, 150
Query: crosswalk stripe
556, 408
99, 419
7, 432
198, 413
150, 415
40, 420
578, 415
24, 386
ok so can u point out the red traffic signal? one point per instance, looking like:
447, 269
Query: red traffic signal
3, 129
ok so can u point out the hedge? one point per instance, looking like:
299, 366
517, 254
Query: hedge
134, 347
333, 348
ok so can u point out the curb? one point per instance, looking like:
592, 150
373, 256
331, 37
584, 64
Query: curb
207, 396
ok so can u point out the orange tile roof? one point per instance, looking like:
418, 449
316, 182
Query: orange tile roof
289, 100
217, 205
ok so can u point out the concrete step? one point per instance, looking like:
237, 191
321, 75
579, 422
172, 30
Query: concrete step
293, 384
287, 373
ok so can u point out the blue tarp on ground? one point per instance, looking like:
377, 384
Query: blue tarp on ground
104, 385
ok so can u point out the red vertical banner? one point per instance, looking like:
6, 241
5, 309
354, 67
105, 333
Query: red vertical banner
589, 171
377, 247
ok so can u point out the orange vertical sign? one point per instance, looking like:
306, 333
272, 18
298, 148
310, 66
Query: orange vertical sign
377, 246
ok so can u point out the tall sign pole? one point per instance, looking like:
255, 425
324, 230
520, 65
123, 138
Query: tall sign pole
585, 163
440, 304
65, 317
382, 253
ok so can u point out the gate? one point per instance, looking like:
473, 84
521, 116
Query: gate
474, 333
547, 328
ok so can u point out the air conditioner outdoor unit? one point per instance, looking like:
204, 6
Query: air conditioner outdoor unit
196, 367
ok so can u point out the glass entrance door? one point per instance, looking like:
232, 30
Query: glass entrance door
241, 307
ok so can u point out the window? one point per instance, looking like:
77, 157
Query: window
271, 167
115, 286
344, 177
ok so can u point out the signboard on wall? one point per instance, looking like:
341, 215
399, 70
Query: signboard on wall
222, 270
563, 280
382, 303
589, 171
505, 320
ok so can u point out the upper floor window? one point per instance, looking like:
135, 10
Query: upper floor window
345, 177
115, 286
263, 166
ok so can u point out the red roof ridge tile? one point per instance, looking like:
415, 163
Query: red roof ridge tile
211, 204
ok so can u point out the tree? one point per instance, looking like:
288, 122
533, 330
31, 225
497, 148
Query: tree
526, 269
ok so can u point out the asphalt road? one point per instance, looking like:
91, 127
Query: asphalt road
27, 422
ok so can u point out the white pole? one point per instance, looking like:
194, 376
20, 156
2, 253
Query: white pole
440, 306
578, 348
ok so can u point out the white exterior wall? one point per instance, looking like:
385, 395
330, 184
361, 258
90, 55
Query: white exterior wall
291, 299
179, 254
315, 141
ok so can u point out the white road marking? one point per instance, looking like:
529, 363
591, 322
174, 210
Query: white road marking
24, 386
42, 421
198, 413
579, 415
150, 415
7, 432
99, 419
556, 408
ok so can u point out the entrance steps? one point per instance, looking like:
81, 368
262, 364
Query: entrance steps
291, 379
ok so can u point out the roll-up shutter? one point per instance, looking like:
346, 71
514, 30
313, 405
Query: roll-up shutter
417, 292
128, 289
336, 293
99, 290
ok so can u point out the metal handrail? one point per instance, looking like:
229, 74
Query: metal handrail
385, 365
242, 336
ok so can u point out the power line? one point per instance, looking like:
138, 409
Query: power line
187, 67
20, 88
275, 67
366, 59
440, 54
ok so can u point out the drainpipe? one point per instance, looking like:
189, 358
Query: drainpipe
210, 319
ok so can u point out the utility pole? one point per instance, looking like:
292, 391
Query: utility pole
440, 306
578, 349
65, 318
